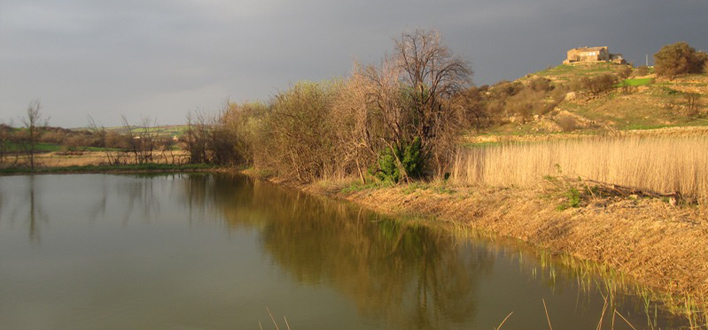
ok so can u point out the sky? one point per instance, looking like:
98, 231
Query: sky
161, 59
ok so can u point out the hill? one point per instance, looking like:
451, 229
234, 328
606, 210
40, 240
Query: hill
567, 101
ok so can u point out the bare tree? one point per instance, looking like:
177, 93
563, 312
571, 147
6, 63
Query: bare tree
196, 137
142, 139
35, 125
693, 104
413, 92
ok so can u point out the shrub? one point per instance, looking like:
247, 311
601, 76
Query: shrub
677, 59
642, 71
693, 104
410, 166
599, 84
625, 72
567, 123
541, 84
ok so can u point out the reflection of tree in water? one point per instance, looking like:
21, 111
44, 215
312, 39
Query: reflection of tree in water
140, 195
35, 213
29, 200
413, 276
209, 196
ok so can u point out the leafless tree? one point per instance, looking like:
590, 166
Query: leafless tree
196, 137
693, 104
6, 137
35, 124
142, 140
413, 90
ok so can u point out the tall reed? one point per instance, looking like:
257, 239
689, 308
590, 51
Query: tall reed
659, 164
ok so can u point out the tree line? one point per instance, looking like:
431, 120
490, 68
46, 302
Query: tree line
395, 121
129, 144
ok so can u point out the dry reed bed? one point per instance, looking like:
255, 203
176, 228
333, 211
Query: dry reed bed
54, 159
659, 164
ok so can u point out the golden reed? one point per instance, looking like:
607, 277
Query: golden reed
658, 164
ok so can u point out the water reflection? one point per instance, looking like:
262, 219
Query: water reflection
25, 204
169, 250
410, 276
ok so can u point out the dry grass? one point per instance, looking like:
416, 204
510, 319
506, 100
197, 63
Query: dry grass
55, 159
659, 164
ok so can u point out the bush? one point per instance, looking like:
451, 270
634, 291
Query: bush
677, 59
625, 72
692, 104
567, 123
599, 84
411, 163
541, 84
642, 71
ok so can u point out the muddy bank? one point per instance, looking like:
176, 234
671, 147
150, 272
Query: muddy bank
656, 244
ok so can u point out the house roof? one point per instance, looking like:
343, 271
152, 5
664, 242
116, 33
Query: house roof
589, 48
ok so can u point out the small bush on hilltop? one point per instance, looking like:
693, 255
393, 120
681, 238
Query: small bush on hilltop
598, 84
625, 72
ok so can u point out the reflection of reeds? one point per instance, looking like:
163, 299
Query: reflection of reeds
660, 164
616, 288
615, 313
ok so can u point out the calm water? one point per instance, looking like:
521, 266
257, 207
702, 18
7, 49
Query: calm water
195, 251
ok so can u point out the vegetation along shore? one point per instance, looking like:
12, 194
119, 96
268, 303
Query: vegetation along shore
602, 161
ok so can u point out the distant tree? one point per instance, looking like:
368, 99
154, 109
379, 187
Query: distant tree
6, 136
473, 104
701, 62
196, 137
677, 59
35, 125
99, 133
142, 140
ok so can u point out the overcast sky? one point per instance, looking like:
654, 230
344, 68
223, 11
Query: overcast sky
163, 58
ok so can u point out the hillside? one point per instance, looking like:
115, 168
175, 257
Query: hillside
640, 102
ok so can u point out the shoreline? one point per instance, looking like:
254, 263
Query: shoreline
654, 244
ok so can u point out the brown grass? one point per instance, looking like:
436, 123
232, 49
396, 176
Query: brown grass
55, 159
659, 164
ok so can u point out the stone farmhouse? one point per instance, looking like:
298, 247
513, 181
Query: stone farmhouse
593, 54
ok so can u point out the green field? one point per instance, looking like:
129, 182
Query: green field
39, 147
636, 82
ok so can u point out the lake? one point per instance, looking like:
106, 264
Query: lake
218, 251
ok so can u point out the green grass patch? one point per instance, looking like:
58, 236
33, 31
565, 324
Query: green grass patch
39, 147
108, 168
358, 186
636, 82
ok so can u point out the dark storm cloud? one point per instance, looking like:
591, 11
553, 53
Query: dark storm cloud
163, 58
